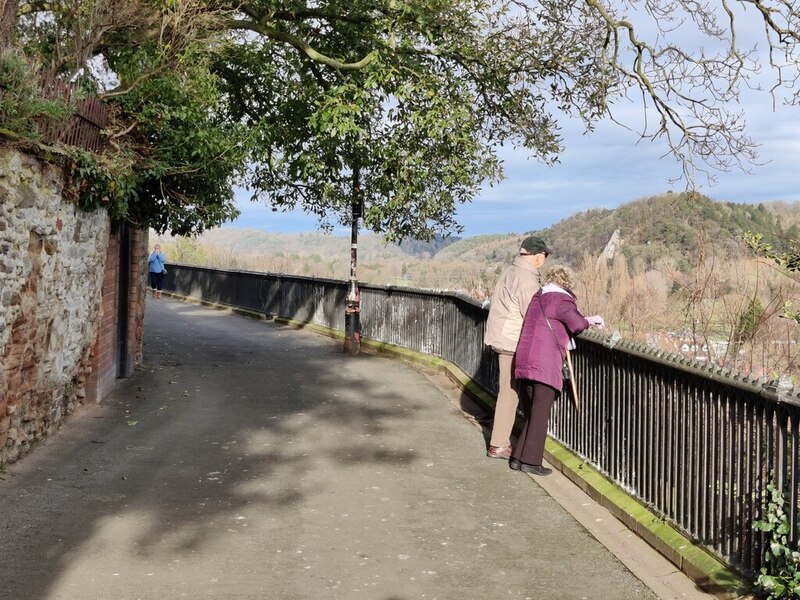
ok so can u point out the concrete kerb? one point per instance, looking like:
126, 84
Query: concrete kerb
708, 572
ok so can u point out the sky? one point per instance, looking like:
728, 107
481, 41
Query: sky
604, 169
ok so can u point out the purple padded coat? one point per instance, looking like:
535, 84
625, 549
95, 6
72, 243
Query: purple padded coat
539, 355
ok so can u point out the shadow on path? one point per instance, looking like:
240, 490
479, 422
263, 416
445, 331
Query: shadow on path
251, 460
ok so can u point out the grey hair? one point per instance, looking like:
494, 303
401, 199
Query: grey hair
560, 275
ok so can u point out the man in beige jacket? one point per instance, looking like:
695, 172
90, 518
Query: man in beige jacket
510, 300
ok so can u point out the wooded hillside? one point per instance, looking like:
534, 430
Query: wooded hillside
680, 276
651, 229
672, 225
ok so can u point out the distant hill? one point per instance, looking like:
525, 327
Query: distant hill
670, 224
429, 249
484, 248
650, 228
246, 241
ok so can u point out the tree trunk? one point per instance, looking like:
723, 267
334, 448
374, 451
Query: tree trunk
8, 23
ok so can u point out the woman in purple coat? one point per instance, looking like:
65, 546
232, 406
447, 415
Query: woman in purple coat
551, 320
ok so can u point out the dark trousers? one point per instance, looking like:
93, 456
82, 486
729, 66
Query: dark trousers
536, 403
156, 280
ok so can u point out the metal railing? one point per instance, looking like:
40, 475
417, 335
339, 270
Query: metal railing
696, 445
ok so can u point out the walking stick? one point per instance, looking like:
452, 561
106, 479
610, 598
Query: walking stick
573, 384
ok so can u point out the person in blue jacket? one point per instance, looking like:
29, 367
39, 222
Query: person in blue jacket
157, 270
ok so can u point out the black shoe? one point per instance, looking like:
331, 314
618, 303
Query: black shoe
516, 465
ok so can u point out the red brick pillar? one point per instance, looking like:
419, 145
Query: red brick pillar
106, 366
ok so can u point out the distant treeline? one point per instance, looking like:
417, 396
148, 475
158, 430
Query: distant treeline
431, 248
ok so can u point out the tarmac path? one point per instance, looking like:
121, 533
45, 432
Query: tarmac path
251, 460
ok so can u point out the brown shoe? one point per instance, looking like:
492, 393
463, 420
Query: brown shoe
503, 452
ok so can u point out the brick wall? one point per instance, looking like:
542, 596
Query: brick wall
138, 293
104, 351
108, 362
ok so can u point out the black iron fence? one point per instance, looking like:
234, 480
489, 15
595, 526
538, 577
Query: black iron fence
697, 445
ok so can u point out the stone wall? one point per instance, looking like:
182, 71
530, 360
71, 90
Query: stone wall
52, 262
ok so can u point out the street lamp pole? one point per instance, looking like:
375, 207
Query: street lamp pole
352, 311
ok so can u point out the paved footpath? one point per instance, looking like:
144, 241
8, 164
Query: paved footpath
250, 460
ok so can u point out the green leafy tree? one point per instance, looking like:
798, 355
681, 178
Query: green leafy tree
406, 101
400, 106
749, 321
171, 157
187, 153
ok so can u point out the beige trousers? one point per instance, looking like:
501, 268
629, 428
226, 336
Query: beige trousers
505, 411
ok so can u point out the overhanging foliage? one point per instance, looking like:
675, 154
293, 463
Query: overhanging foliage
408, 100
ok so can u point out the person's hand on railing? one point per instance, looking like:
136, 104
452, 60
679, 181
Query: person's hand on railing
596, 320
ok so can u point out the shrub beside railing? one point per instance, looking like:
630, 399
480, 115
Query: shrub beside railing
697, 445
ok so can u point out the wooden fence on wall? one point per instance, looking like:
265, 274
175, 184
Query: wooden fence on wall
83, 128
